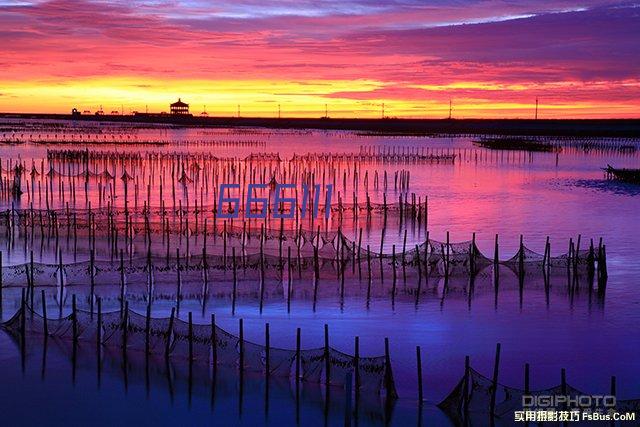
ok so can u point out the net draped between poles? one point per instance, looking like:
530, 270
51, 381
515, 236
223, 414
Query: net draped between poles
476, 397
204, 344
307, 253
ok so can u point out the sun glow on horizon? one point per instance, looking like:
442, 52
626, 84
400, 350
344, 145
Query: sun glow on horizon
265, 98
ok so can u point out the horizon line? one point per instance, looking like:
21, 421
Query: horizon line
138, 114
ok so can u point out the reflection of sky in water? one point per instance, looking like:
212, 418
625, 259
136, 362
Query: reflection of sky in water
484, 192
620, 188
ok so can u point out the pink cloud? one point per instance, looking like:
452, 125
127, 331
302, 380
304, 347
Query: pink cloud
401, 45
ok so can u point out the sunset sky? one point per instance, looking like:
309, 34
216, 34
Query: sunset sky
491, 58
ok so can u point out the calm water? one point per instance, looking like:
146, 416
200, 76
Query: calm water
486, 192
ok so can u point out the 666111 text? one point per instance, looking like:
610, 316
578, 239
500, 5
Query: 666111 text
284, 200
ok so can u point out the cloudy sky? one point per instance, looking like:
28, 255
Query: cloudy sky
491, 58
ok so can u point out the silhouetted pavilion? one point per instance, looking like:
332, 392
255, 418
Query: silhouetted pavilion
179, 107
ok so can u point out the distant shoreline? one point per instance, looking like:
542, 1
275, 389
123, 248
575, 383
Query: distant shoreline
613, 128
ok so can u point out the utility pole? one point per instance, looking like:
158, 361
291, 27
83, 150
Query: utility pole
238, 110
279, 111
326, 111
536, 108
450, 108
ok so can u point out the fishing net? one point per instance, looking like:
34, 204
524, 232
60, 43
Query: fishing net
371, 373
198, 339
452, 403
507, 399
159, 334
76, 274
261, 252
254, 356
20, 275
86, 326
136, 330
281, 361
226, 351
62, 328
339, 365
481, 391
112, 327
312, 364
526, 256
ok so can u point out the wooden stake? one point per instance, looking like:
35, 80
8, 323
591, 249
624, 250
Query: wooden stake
327, 359
267, 351
99, 329
465, 398
495, 381
169, 332
298, 341
241, 344
419, 364
190, 337
147, 329
356, 363
74, 319
45, 328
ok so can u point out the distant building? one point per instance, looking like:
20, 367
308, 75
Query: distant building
179, 107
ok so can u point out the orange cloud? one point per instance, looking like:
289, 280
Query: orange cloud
355, 56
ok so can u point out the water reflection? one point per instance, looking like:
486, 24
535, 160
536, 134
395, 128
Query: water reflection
607, 185
549, 322
131, 386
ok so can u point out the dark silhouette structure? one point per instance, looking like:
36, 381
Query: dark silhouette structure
179, 107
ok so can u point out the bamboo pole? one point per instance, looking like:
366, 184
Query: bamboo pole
298, 342
74, 319
169, 332
327, 357
45, 327
495, 382
241, 346
356, 364
190, 337
419, 368
267, 352
214, 341
99, 329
